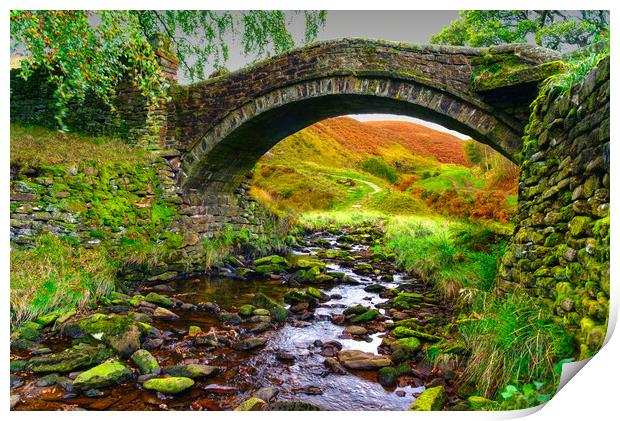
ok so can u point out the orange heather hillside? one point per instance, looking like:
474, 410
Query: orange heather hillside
369, 137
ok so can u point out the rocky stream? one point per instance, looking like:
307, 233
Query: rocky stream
333, 326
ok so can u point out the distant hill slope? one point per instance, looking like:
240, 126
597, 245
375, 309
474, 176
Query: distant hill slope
371, 137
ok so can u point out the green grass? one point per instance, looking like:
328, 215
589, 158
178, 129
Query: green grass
448, 177
34, 146
439, 252
57, 274
516, 341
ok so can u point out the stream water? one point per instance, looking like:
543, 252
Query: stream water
292, 359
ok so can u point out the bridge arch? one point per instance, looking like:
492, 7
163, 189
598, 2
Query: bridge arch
223, 126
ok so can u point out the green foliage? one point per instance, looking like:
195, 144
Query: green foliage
515, 340
82, 58
378, 167
551, 28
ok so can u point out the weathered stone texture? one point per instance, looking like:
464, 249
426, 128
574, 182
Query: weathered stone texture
560, 248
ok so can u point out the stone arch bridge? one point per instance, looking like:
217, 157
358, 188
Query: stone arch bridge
221, 127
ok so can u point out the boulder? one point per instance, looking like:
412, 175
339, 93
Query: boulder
387, 376
145, 362
248, 344
251, 404
193, 371
70, 359
404, 348
246, 310
271, 260
158, 299
266, 393
334, 366
169, 385
127, 343
164, 314
277, 312
366, 317
404, 332
358, 360
430, 400
355, 330
107, 374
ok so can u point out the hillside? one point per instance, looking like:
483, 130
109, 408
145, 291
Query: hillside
371, 137
330, 164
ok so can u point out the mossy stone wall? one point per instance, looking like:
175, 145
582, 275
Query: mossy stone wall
560, 248
133, 204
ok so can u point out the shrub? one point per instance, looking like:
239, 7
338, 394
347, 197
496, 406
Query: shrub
378, 167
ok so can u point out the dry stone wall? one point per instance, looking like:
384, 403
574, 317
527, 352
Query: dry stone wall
560, 248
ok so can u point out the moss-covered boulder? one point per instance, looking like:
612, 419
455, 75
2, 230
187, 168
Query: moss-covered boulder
405, 301
430, 400
356, 309
271, 260
277, 311
404, 332
251, 404
405, 348
158, 299
107, 374
70, 359
246, 310
169, 385
300, 261
387, 376
363, 268
193, 371
29, 330
146, 363
366, 317
297, 296
194, 331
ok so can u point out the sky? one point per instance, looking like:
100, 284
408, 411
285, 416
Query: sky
415, 27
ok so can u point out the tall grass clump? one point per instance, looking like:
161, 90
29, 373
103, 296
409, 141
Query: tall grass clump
57, 274
460, 260
514, 341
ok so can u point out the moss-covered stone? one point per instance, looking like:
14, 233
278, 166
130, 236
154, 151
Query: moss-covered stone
145, 362
246, 310
104, 375
430, 400
366, 317
193, 371
277, 311
29, 331
70, 359
405, 301
404, 332
251, 404
387, 376
158, 299
169, 385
